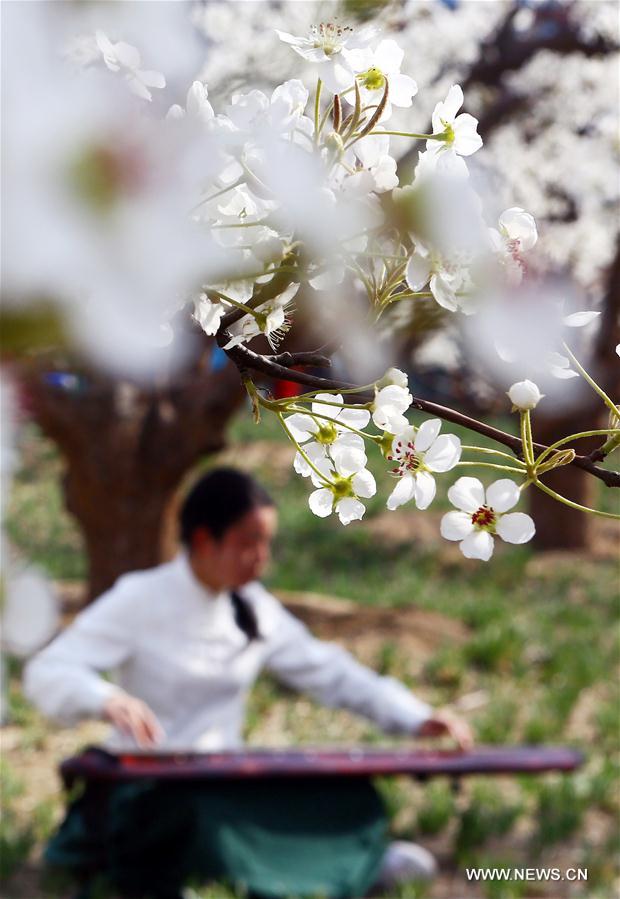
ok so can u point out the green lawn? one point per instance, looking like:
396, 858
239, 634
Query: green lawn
542, 644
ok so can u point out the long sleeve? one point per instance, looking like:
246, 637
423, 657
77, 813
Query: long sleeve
64, 680
332, 676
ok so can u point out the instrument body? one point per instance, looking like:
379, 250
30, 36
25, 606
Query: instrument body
99, 765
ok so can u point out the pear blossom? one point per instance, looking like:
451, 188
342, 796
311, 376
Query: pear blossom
482, 516
524, 395
325, 430
344, 483
517, 233
389, 406
393, 376
122, 57
197, 105
270, 319
418, 455
460, 132
374, 157
381, 65
445, 275
329, 46
209, 314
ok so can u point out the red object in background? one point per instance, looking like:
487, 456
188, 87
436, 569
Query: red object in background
282, 389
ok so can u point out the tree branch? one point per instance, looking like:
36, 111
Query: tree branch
245, 358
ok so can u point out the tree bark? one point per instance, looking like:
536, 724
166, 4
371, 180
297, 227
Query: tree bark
557, 525
127, 449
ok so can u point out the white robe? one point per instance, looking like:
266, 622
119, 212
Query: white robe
171, 642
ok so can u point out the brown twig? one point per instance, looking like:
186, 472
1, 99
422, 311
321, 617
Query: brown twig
246, 358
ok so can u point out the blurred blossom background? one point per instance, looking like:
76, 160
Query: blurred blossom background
112, 396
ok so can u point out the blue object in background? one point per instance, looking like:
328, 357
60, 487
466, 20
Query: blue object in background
451, 4
219, 359
64, 380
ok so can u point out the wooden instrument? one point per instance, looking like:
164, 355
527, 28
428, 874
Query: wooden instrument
100, 765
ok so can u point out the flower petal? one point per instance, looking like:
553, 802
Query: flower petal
302, 427
456, 525
402, 90
350, 509
425, 489
517, 527
478, 545
427, 434
320, 408
356, 418
418, 271
580, 319
402, 493
301, 466
348, 460
503, 495
321, 502
364, 483
443, 293
467, 494
444, 454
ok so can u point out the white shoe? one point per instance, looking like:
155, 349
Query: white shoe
404, 862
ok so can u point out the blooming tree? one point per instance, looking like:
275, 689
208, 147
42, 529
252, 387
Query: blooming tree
268, 208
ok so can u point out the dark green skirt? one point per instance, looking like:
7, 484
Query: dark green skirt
273, 838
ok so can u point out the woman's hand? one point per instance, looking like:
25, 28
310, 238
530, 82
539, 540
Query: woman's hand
446, 723
134, 718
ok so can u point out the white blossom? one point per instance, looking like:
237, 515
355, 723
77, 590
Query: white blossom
448, 277
482, 516
517, 234
325, 431
381, 65
344, 484
418, 454
460, 131
269, 318
524, 395
209, 314
389, 406
329, 47
124, 58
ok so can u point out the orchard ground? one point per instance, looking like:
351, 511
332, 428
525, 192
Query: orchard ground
526, 647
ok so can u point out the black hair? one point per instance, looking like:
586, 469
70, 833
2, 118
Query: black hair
216, 502
219, 500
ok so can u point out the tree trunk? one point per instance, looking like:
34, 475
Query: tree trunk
127, 450
557, 525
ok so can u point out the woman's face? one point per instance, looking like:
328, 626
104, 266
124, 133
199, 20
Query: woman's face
240, 555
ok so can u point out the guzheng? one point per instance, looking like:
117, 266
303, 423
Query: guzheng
97, 764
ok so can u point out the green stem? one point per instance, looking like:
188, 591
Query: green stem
304, 455
606, 399
241, 225
236, 303
491, 465
525, 440
214, 196
407, 295
441, 136
570, 503
494, 452
317, 109
599, 432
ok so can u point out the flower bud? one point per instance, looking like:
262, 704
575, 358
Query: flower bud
393, 376
335, 142
524, 395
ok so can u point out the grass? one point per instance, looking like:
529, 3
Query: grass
542, 647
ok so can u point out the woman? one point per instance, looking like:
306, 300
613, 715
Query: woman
186, 641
